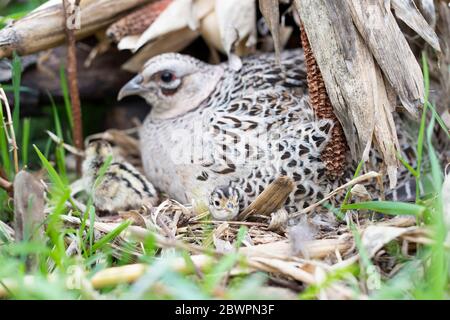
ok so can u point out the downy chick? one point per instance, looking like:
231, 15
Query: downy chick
121, 188
224, 203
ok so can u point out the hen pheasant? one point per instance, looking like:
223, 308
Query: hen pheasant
213, 127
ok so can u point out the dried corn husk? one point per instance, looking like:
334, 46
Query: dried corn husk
171, 42
271, 199
391, 51
43, 28
353, 80
271, 12
210, 31
180, 14
237, 23
407, 11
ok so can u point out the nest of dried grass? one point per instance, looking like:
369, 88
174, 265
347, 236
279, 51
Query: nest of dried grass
292, 256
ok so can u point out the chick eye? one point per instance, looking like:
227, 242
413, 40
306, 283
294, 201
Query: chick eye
216, 203
167, 76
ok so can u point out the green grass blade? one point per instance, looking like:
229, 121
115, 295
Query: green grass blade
225, 264
407, 165
348, 193
436, 171
102, 171
388, 207
426, 75
105, 240
437, 270
16, 78
60, 152
54, 177
439, 119
65, 91
25, 140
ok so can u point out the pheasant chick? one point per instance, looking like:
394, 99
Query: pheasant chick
224, 203
121, 188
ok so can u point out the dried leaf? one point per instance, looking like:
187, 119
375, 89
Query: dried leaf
128, 42
210, 31
361, 192
29, 215
180, 14
288, 269
222, 246
407, 11
428, 11
136, 218
271, 12
172, 42
376, 237
237, 22
278, 220
279, 249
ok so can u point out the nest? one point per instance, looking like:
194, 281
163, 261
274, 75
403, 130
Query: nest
291, 256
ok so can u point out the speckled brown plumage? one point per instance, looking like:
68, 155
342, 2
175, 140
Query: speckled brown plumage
334, 154
221, 136
138, 21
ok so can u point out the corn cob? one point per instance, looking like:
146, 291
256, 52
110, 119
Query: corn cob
334, 155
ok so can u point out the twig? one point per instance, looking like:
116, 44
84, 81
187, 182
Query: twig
141, 234
239, 223
66, 146
6, 185
11, 135
73, 81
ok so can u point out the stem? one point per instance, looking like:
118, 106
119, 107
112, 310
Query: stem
73, 82
6, 185
10, 134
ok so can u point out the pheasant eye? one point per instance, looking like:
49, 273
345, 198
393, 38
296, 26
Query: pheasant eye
167, 76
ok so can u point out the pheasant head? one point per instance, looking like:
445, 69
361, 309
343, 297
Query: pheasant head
173, 84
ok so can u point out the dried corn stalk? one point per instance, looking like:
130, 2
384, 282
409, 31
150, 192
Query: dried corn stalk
334, 155
407, 11
390, 49
43, 28
138, 21
355, 85
271, 199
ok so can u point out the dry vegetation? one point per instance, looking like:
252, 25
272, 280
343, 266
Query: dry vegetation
53, 245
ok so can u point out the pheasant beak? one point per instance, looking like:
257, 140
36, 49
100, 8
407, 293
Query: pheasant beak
133, 87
